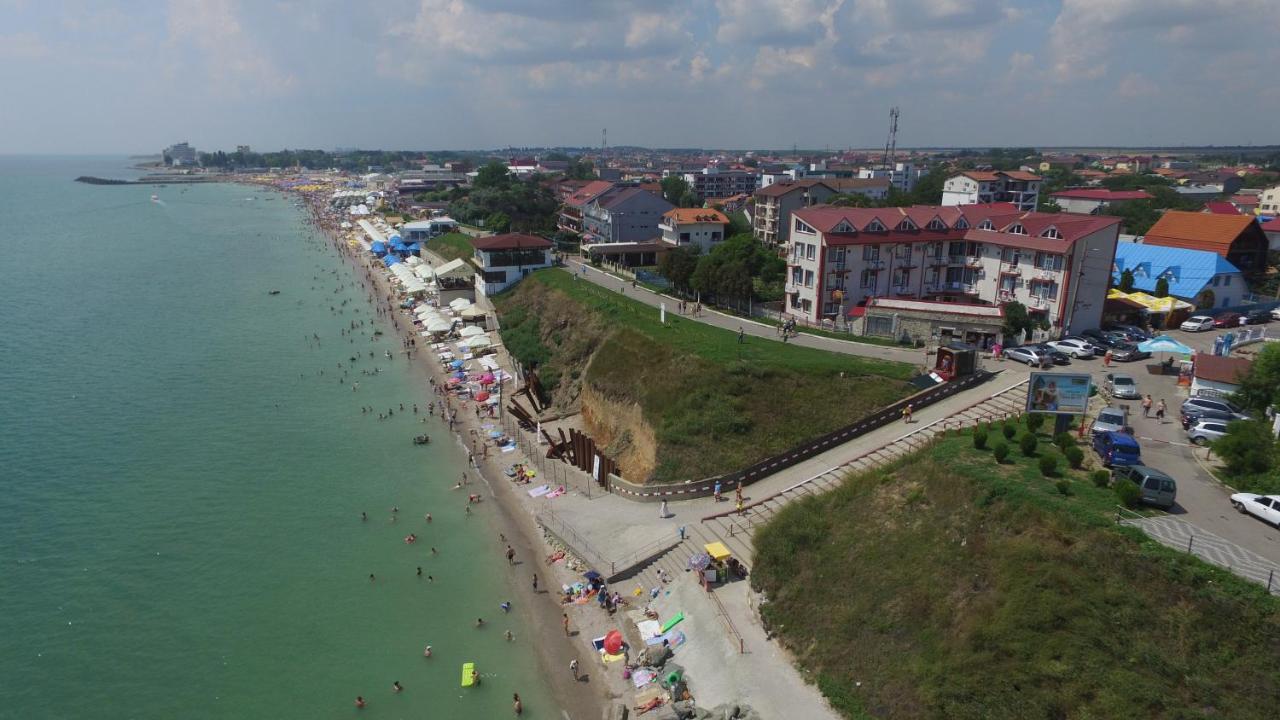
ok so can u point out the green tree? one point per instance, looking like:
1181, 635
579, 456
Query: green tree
678, 265
580, 169
1126, 281
928, 189
676, 190
492, 175
1162, 287
1017, 322
738, 224
1260, 388
1248, 448
851, 200
498, 222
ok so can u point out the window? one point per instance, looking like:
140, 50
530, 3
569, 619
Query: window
835, 254
879, 325
870, 252
962, 224
985, 225
1010, 255
808, 278
868, 278
1226, 281
684, 238
843, 227
1008, 283
1052, 233
1017, 229
901, 276
936, 224
906, 224
875, 226
1048, 261
810, 251
830, 308
803, 227
1216, 278
797, 276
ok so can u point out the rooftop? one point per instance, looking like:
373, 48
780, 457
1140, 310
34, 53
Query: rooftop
510, 241
696, 215
1187, 271
1219, 368
1102, 194
1198, 231
779, 189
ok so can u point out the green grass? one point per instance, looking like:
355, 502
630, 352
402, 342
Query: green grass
953, 587
713, 405
451, 246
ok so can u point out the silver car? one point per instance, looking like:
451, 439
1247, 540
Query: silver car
1027, 355
1110, 419
1120, 386
1078, 349
1206, 431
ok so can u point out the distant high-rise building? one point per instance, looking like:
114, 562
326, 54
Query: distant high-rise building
179, 154
243, 149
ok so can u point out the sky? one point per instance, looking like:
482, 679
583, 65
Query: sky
105, 77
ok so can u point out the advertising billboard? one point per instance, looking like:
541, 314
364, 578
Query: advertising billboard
1059, 393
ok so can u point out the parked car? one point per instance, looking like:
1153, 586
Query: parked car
1257, 317
1132, 332
1204, 403
1197, 323
1024, 354
1263, 507
1110, 419
1097, 347
1226, 320
1190, 416
1275, 313
1117, 449
1104, 338
1073, 347
1127, 352
1203, 432
1056, 356
1122, 387
1157, 488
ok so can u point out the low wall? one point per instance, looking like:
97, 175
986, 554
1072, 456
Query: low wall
706, 486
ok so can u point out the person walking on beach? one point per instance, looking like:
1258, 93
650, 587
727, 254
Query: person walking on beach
1146, 406
535, 582
516, 705
511, 555
1160, 411
566, 624
573, 668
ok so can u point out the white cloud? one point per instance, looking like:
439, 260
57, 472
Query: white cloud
232, 61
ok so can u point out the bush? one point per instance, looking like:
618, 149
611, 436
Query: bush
1028, 444
1000, 451
1034, 421
1048, 465
1128, 493
1064, 487
1075, 456
979, 438
1009, 430
1101, 478
1064, 440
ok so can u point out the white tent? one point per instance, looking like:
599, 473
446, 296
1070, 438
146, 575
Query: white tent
439, 326
473, 312
477, 342
471, 331
426, 310
454, 269
459, 303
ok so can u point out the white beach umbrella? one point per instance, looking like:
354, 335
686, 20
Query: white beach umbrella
479, 341
471, 331
439, 326
473, 312
459, 303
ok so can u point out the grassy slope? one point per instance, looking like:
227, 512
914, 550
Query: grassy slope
451, 246
951, 587
715, 405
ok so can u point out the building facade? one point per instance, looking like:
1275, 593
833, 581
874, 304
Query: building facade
1269, 202
179, 154
1055, 264
623, 214
503, 260
1021, 189
1238, 238
694, 227
713, 182
1090, 201
573, 207
771, 216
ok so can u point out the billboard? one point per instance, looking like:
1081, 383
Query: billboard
1059, 393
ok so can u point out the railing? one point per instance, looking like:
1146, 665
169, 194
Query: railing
728, 623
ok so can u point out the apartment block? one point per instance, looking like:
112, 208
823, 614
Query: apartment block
1021, 189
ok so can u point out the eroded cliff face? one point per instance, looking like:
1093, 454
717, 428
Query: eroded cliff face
619, 429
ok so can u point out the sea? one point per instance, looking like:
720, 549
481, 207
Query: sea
184, 464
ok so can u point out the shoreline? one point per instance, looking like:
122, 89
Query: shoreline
540, 611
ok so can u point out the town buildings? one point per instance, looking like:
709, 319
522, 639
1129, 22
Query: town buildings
622, 214
714, 182
686, 227
503, 260
1238, 238
571, 210
774, 204
1022, 189
1090, 201
1202, 278
1269, 202
179, 154
1055, 264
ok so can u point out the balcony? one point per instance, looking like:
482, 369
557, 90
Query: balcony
874, 264
957, 259
663, 227
903, 290
1005, 295
936, 260
952, 287
973, 261
1010, 268
1044, 274
792, 288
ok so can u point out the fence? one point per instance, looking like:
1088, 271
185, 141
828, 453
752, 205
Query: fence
1185, 537
612, 569
553, 472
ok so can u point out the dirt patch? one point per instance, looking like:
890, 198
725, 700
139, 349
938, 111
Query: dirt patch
620, 428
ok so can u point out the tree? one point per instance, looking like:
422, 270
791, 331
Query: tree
1126, 281
1017, 322
1162, 287
738, 224
678, 266
498, 222
928, 189
580, 169
1260, 388
857, 200
677, 191
492, 175
1248, 448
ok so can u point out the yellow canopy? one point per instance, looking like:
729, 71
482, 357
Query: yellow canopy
718, 551
1150, 302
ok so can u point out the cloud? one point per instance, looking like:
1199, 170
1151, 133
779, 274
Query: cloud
233, 61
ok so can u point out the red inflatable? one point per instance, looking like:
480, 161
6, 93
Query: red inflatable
613, 642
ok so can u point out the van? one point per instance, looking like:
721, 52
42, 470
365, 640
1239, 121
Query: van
1117, 449
1157, 488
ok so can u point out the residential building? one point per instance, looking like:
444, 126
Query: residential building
1220, 207
423, 230
571, 211
714, 182
774, 204
1056, 264
1269, 202
1271, 228
503, 260
1217, 375
1246, 203
902, 176
1202, 278
971, 187
179, 154
685, 227
1198, 192
872, 188
1238, 238
1090, 201
623, 214
522, 166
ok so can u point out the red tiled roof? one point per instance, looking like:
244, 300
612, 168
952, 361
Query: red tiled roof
1246, 200
1020, 175
1220, 207
1102, 194
1272, 225
783, 187
1198, 231
826, 218
1219, 368
588, 192
981, 175
510, 241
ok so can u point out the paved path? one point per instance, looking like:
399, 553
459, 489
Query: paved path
750, 327
1182, 535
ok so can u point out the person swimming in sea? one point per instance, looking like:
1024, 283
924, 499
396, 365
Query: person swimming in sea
427, 652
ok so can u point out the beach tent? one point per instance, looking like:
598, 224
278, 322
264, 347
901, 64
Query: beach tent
471, 331
477, 342
459, 303
426, 310
439, 326
454, 269
390, 260
378, 248
474, 312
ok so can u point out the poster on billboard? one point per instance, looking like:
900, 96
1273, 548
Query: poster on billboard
1058, 393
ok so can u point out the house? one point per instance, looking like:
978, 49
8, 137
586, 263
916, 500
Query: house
684, 227
623, 214
423, 230
1271, 229
1245, 203
1053, 263
1202, 278
503, 260
1238, 238
1269, 202
1091, 201
571, 210
1217, 375
714, 182
729, 205
775, 203
1220, 207
972, 187
872, 188
930, 321
522, 166
902, 176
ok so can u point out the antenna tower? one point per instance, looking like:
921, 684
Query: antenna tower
891, 143
604, 144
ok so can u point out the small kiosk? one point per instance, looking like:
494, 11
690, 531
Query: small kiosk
955, 360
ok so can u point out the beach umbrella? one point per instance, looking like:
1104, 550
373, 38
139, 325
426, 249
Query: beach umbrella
495, 433
424, 310
460, 375
1164, 343
482, 396
439, 326
456, 363
613, 642
459, 303
471, 331
479, 342
473, 312
486, 378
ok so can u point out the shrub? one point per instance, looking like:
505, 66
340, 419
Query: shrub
1064, 487
1028, 444
1034, 421
979, 438
1128, 493
1009, 430
1048, 464
1075, 456
1064, 440
1101, 478
1000, 451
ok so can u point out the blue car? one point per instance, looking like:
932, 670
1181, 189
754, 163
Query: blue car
1117, 448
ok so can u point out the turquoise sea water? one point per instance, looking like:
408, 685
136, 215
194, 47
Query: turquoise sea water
180, 489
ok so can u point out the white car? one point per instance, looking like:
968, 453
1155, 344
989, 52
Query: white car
1275, 313
1197, 323
1263, 507
1075, 348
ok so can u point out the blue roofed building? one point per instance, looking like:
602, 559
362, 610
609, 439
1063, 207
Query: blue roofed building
1203, 278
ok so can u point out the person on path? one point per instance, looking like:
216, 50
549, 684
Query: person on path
1146, 406
906, 413
511, 555
662, 511
741, 335
566, 624
516, 705
717, 491
1160, 411
573, 668
1106, 358
737, 492
535, 582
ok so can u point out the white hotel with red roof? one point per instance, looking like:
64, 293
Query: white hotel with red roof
1056, 264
